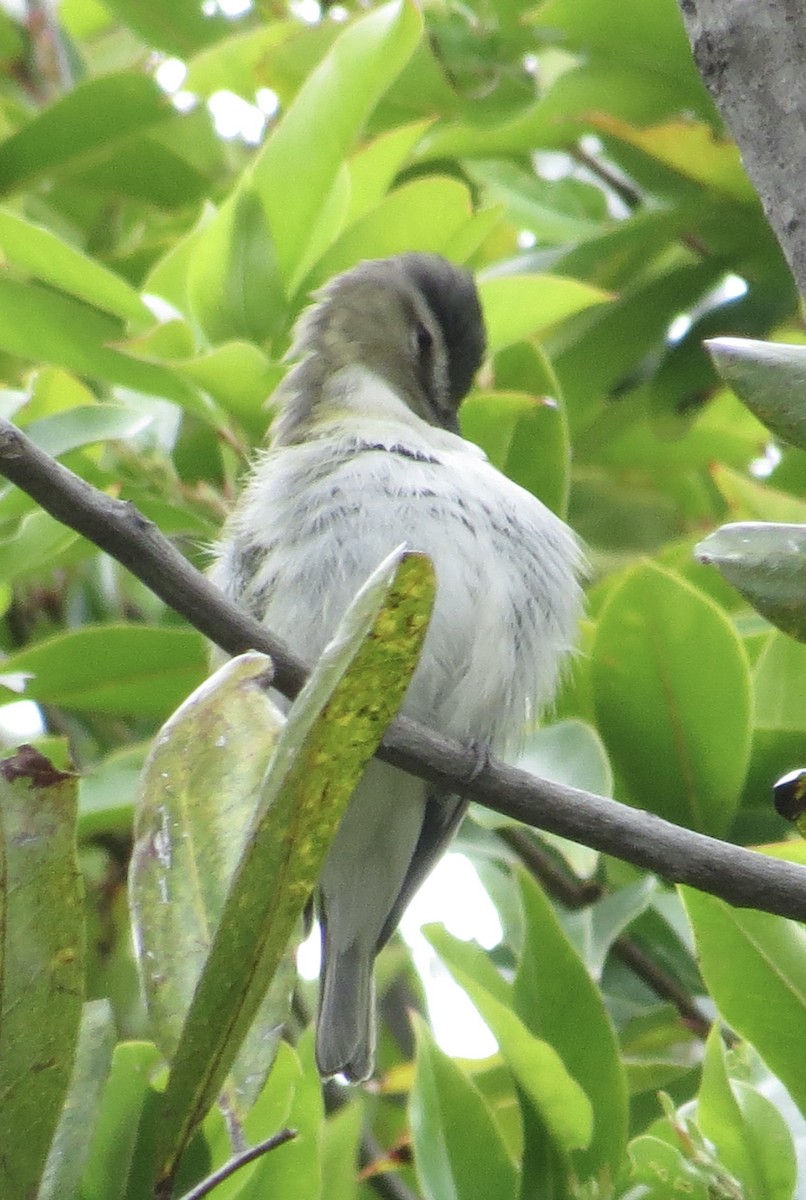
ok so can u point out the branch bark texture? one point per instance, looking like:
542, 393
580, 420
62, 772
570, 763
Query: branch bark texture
741, 877
751, 56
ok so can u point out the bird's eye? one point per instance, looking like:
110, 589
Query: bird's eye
424, 343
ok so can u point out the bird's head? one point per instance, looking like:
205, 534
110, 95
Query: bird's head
412, 321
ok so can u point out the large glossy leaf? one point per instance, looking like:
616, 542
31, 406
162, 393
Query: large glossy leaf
41, 961
70, 1146
672, 694
779, 684
111, 1148
43, 325
748, 1131
94, 118
767, 563
520, 306
333, 729
557, 1097
689, 149
40, 253
422, 215
525, 437
771, 380
234, 286
754, 965
338, 97
458, 1150
198, 796
185, 27
119, 669
558, 1000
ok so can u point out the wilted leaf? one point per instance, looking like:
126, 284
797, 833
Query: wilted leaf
333, 729
41, 961
767, 563
70, 1146
198, 796
771, 380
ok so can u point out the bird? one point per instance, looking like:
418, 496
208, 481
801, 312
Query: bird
365, 453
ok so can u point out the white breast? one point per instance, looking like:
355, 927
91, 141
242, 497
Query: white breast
318, 517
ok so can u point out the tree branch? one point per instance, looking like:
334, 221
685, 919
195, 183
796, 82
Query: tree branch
240, 1160
741, 877
750, 56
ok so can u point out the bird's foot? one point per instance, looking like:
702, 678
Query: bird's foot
481, 750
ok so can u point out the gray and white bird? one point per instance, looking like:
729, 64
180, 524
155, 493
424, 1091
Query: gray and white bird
365, 454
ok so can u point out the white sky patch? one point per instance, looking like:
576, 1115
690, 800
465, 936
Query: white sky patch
453, 896
526, 239
21, 720
267, 101
170, 75
764, 466
234, 8
338, 13
733, 287
309, 11
678, 328
234, 117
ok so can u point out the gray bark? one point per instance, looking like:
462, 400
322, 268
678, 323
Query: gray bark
751, 55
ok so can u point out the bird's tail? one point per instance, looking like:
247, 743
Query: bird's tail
345, 1033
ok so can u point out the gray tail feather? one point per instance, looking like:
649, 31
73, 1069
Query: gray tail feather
345, 1033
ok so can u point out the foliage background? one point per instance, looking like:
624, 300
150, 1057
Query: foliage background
152, 270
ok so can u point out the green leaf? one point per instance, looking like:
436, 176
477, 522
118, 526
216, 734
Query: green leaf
294, 1169
687, 148
520, 306
749, 1133
754, 965
422, 215
373, 168
555, 210
124, 670
525, 437
779, 684
332, 731
70, 1146
337, 96
469, 958
767, 564
41, 961
341, 1137
115, 1134
46, 326
664, 1171
38, 543
234, 286
180, 30
672, 695
240, 378
198, 794
92, 119
595, 928
562, 1004
458, 1150
770, 379
236, 63
536, 1066
85, 425
40, 253
569, 752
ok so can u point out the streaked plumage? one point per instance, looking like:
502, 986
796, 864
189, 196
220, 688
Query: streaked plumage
361, 460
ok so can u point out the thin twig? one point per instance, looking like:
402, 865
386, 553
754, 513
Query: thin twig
240, 1160
740, 877
575, 894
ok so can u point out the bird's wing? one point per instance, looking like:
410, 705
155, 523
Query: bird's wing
443, 816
